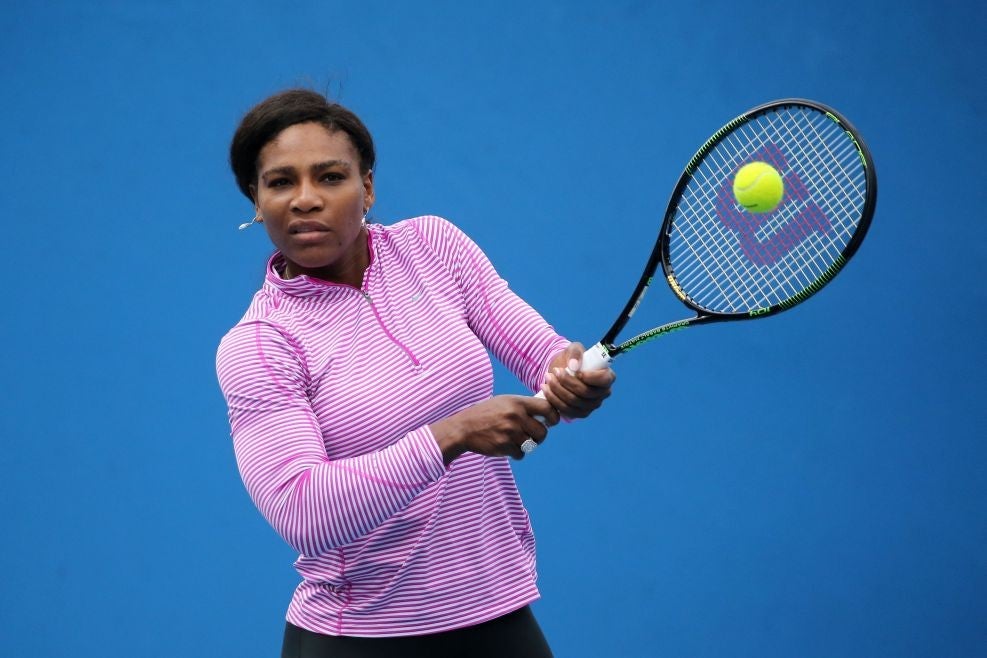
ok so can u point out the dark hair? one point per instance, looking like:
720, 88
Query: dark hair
272, 115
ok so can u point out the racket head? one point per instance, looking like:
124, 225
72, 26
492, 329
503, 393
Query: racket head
727, 263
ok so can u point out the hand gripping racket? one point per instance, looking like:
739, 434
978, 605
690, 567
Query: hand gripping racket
726, 263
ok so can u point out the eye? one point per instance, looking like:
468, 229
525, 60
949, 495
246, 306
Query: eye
278, 182
333, 176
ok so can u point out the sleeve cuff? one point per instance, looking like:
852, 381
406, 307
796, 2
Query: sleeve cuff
423, 442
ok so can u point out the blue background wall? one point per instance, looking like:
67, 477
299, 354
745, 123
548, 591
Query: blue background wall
810, 485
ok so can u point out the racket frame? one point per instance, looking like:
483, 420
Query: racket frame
607, 349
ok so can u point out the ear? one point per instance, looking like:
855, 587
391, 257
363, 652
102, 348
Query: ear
253, 195
368, 189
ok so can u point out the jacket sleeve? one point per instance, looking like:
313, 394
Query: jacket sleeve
314, 503
513, 331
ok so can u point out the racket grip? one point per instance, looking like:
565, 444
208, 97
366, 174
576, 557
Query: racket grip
595, 358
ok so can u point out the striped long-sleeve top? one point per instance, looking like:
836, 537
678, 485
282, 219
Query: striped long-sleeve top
331, 390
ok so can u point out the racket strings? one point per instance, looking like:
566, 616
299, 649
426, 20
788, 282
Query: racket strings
803, 271
837, 185
829, 178
729, 260
748, 142
730, 267
720, 255
716, 260
719, 258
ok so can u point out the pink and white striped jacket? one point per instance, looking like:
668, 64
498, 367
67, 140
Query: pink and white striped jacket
331, 390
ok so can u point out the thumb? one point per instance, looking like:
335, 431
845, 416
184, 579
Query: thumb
574, 357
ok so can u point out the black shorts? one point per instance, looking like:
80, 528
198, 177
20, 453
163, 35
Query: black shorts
516, 634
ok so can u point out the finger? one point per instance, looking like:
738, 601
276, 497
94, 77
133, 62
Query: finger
572, 388
572, 397
534, 429
542, 411
598, 378
567, 403
514, 451
529, 446
588, 384
538, 436
574, 357
508, 443
555, 401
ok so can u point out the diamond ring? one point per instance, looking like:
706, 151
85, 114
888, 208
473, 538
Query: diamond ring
528, 446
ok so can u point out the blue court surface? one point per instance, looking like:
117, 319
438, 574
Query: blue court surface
812, 485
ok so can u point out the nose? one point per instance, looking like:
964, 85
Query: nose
306, 199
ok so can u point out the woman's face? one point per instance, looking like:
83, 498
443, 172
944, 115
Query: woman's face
312, 199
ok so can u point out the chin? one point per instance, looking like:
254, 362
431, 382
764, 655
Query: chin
323, 254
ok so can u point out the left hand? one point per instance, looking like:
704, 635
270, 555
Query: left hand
580, 394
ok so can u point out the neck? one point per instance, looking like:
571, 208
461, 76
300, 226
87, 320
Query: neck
348, 270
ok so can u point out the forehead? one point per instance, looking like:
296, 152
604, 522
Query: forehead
306, 143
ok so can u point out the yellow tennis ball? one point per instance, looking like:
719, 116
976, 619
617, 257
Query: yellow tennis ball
758, 187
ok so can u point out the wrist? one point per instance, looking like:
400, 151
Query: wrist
449, 439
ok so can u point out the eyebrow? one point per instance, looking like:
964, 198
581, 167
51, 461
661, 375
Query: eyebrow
288, 170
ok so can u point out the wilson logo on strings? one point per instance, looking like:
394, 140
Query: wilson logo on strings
804, 220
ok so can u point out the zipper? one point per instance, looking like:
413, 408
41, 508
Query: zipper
387, 332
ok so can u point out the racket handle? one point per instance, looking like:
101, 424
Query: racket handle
595, 358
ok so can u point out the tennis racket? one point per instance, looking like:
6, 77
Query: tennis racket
725, 263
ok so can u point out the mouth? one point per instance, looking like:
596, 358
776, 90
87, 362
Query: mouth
302, 228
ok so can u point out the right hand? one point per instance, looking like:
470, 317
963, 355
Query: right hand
496, 427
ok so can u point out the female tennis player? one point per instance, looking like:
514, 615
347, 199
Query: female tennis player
359, 389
